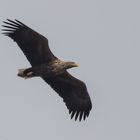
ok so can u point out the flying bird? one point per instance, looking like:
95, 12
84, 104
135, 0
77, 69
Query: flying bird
51, 69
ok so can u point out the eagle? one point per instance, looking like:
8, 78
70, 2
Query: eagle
51, 69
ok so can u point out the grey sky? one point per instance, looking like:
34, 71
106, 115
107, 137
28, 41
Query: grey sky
103, 36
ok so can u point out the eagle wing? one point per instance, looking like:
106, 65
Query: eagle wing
34, 46
74, 94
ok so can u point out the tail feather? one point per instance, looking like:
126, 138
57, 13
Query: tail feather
23, 74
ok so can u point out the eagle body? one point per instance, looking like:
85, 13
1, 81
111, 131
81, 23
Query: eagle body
47, 70
52, 70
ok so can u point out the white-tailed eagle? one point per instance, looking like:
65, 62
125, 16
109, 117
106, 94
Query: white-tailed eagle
46, 65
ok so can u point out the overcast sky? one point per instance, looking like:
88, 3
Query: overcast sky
103, 36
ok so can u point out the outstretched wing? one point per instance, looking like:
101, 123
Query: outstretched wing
74, 94
33, 45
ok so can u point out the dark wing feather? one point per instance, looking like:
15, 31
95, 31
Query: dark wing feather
74, 94
33, 45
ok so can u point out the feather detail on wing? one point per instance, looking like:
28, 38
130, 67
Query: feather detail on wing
74, 94
33, 45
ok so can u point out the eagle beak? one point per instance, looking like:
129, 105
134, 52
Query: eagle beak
77, 65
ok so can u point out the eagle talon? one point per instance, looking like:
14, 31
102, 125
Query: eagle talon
29, 74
